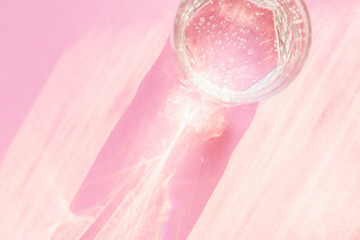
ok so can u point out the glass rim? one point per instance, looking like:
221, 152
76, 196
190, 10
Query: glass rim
225, 95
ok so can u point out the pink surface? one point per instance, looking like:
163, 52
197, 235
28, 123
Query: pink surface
83, 88
295, 173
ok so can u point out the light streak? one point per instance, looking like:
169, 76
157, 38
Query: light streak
131, 216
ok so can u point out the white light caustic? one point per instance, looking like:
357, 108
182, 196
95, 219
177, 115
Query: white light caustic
196, 112
131, 218
187, 112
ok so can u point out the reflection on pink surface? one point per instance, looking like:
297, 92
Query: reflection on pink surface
195, 166
84, 87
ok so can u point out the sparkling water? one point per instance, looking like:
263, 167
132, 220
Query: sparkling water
241, 50
232, 43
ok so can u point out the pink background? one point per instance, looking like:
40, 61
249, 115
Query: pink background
81, 87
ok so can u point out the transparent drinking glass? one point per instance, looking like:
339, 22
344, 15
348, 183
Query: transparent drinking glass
241, 51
